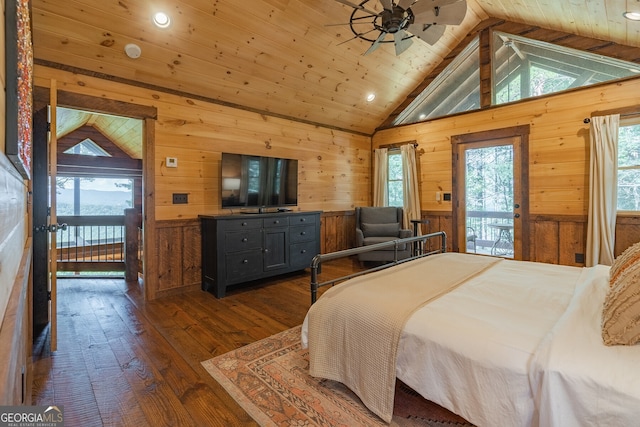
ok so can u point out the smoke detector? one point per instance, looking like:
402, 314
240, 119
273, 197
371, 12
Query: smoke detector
132, 50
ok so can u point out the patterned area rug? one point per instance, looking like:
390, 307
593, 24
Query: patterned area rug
270, 380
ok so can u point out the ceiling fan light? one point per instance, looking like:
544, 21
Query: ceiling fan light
633, 16
161, 19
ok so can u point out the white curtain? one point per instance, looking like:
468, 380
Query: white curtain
411, 208
380, 173
603, 190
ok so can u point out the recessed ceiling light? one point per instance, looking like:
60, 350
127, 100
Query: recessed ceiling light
371, 97
422, 116
161, 20
634, 16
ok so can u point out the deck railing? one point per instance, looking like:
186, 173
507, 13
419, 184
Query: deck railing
99, 243
482, 225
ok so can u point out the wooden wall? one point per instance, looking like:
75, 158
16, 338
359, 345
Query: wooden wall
334, 166
558, 162
15, 338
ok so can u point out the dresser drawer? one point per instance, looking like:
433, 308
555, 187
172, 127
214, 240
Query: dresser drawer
241, 265
302, 233
276, 222
242, 224
302, 254
303, 219
235, 241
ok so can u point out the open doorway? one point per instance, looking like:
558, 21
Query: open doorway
89, 126
98, 193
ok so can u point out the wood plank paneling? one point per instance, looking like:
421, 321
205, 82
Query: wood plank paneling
334, 166
15, 262
558, 144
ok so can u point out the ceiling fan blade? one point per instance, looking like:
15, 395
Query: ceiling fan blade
387, 4
376, 44
451, 14
357, 6
401, 42
404, 4
429, 33
422, 5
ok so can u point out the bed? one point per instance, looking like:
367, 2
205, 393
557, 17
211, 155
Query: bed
515, 343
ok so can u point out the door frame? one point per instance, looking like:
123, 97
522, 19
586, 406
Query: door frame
457, 142
149, 115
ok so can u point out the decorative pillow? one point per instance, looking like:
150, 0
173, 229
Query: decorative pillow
381, 230
621, 311
626, 259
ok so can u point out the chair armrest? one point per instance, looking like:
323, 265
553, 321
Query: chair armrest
404, 233
359, 237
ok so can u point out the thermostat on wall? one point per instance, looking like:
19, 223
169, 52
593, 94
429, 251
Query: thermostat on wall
172, 162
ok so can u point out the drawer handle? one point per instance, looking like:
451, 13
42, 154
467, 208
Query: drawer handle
244, 224
244, 239
276, 222
303, 219
304, 251
302, 233
245, 261
266, 251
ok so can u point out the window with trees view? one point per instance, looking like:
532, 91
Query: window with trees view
394, 179
629, 167
522, 68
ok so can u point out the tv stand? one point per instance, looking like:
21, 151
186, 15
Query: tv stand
238, 249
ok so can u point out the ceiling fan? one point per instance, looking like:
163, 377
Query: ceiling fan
403, 19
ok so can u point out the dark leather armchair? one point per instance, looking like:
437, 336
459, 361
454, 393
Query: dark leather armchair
377, 225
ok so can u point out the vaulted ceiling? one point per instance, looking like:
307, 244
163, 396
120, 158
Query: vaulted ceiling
282, 56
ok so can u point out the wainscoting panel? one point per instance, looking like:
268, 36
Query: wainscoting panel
554, 239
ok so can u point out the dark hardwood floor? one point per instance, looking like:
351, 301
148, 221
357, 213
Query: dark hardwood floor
124, 362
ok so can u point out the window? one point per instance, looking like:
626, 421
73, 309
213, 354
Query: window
524, 68
629, 166
394, 179
456, 89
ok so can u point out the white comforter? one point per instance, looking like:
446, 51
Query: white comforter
473, 350
576, 379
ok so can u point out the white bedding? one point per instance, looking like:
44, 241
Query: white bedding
472, 350
577, 380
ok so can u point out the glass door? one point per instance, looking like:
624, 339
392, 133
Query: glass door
490, 203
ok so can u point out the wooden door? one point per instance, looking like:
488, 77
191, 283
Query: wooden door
40, 185
44, 221
496, 221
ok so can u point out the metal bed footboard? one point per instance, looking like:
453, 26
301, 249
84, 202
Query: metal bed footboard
417, 243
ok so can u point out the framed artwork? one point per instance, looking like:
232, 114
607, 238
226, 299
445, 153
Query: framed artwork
19, 75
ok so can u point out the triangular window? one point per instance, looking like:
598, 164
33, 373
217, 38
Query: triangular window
456, 89
87, 147
522, 68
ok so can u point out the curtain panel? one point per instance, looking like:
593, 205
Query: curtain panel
411, 208
380, 173
603, 189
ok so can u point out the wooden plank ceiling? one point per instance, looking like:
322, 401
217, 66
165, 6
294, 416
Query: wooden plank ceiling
280, 56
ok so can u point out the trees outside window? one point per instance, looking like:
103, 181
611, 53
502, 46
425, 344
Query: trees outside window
629, 168
394, 179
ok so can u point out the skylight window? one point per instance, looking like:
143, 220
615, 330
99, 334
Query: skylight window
87, 147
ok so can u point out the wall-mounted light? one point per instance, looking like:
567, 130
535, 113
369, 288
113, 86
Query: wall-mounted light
161, 20
633, 16
371, 97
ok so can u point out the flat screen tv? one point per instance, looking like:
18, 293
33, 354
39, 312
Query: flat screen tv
257, 181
